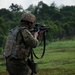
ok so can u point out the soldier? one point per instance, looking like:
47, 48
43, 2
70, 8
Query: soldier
19, 42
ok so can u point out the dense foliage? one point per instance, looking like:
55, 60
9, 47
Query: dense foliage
61, 20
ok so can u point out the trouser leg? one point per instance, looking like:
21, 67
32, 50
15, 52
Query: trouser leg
17, 67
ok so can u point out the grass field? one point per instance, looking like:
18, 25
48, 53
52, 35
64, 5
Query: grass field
59, 59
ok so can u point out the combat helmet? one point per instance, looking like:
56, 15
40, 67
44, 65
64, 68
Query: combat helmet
28, 17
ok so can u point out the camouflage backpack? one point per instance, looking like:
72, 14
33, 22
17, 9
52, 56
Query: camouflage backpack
11, 41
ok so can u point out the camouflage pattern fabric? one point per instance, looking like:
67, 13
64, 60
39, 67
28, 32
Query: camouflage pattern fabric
17, 67
10, 42
22, 51
18, 50
28, 17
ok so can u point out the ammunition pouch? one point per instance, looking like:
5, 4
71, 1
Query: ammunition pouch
32, 65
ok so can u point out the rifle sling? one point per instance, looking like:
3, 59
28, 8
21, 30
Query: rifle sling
44, 40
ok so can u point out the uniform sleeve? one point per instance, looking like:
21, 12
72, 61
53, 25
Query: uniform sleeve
29, 39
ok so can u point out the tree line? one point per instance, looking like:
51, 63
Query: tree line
61, 20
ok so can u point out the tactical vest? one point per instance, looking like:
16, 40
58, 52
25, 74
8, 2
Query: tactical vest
11, 42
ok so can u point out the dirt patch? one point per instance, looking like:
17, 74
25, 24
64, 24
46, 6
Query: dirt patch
62, 50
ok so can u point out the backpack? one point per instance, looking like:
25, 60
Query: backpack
11, 41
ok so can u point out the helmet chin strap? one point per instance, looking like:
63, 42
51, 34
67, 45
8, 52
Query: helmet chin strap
30, 26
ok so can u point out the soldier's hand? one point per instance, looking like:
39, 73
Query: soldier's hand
35, 34
41, 33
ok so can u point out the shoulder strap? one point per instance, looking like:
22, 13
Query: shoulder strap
22, 34
22, 37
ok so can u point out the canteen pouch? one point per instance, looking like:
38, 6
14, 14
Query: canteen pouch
32, 65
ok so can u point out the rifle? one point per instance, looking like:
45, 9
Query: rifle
38, 27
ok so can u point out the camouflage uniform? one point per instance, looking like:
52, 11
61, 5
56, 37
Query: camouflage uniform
16, 58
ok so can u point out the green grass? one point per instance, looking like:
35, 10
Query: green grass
59, 59
62, 44
2, 64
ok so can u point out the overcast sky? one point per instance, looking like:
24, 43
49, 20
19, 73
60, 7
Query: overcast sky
26, 3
